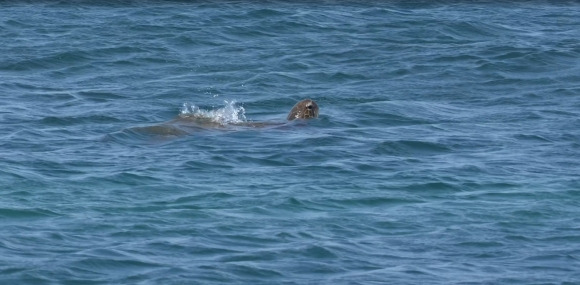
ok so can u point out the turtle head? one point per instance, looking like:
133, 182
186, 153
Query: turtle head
305, 109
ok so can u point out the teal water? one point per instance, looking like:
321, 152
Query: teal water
447, 150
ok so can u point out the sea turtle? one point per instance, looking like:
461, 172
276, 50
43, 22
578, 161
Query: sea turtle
190, 122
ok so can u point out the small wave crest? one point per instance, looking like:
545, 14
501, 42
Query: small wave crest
231, 113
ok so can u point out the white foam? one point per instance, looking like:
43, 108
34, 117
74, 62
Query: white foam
229, 114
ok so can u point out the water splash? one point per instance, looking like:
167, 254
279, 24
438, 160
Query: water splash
229, 114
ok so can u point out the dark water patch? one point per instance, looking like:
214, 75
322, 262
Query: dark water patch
507, 100
374, 202
266, 13
132, 179
391, 227
48, 93
518, 115
280, 159
69, 121
200, 197
555, 258
408, 147
533, 138
316, 252
502, 195
49, 168
414, 112
13, 213
557, 114
12, 175
479, 245
99, 96
471, 31
462, 59
302, 207
385, 119
16, 24
343, 77
124, 266
482, 186
266, 162
125, 52
171, 210
437, 187
249, 271
156, 61
369, 167
241, 241
250, 257
55, 61
563, 238
274, 78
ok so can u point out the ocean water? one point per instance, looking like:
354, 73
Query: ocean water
447, 150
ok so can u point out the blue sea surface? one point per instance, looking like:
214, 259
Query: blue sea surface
447, 150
